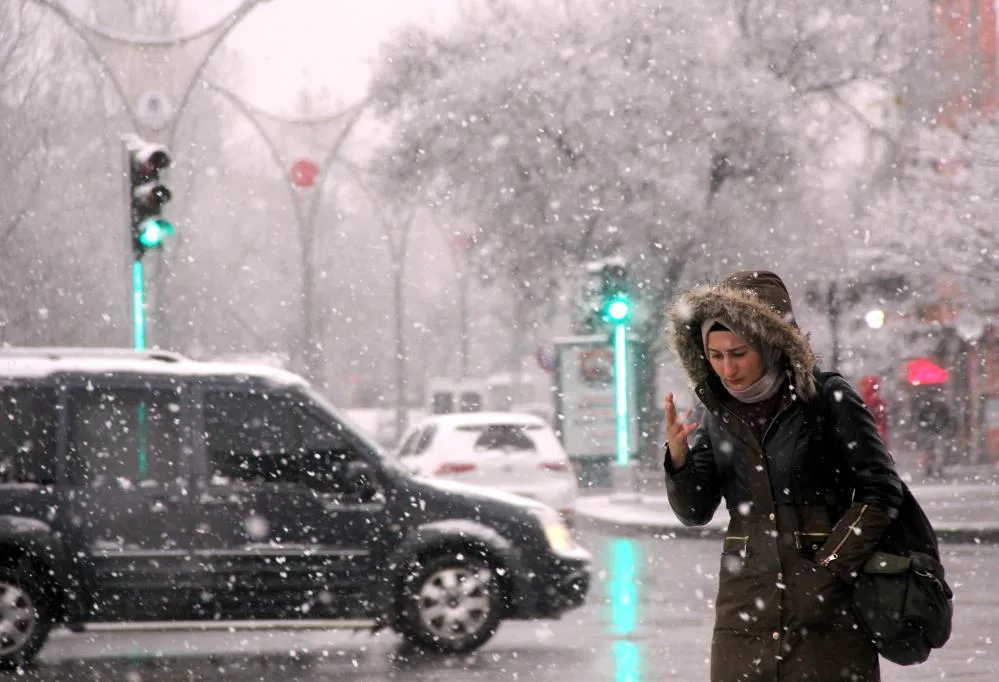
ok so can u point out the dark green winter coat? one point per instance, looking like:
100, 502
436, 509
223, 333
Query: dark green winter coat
824, 491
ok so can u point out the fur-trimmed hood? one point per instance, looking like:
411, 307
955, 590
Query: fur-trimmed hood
759, 307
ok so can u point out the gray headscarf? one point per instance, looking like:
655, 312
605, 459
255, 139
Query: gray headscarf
768, 384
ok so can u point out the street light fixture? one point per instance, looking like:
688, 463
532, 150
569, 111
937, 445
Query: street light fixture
834, 298
875, 319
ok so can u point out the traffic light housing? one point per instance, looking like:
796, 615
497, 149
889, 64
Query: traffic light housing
616, 300
147, 194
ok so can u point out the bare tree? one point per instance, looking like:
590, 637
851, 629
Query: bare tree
24, 92
670, 134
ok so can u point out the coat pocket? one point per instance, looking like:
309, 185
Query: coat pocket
739, 586
817, 599
735, 551
736, 544
808, 544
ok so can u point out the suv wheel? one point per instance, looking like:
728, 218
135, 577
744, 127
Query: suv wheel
25, 618
450, 604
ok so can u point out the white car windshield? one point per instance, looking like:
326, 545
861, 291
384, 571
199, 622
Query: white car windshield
501, 437
506, 437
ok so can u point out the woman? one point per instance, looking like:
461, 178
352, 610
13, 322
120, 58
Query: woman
807, 482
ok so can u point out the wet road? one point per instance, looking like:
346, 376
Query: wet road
648, 618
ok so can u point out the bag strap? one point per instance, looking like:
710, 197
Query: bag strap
757, 472
912, 531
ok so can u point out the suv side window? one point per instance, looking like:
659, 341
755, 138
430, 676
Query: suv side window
264, 438
27, 434
120, 435
250, 436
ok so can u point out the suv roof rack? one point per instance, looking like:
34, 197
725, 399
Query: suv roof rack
60, 353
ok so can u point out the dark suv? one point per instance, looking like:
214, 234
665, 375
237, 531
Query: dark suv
149, 487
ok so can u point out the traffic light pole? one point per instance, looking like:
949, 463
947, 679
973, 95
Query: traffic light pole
138, 305
287, 139
621, 394
623, 475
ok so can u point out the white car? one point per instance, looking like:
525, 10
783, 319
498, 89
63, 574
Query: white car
515, 453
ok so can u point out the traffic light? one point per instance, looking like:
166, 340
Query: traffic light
615, 310
616, 304
147, 194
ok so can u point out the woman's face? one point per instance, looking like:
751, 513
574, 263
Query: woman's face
732, 359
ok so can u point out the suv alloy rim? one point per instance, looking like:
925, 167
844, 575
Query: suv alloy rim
454, 602
17, 618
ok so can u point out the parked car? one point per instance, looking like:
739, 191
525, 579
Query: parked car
515, 453
149, 487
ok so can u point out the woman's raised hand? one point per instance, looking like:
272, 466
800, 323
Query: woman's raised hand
677, 431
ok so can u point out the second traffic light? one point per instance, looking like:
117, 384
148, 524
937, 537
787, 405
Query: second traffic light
616, 303
147, 194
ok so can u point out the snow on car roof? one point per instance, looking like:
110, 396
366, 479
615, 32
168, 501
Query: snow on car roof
41, 362
482, 419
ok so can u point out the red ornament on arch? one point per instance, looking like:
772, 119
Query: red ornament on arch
304, 173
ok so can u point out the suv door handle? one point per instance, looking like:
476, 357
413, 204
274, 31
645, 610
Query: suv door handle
218, 501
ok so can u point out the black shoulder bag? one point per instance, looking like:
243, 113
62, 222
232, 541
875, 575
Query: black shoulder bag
900, 596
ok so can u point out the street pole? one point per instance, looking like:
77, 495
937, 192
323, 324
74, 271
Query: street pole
460, 248
835, 310
138, 306
463, 317
397, 237
288, 139
401, 412
621, 394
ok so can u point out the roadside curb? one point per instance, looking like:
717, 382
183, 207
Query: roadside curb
966, 536
634, 528
973, 536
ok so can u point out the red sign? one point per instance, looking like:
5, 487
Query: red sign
925, 372
596, 365
304, 173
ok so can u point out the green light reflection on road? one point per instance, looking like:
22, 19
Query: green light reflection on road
623, 588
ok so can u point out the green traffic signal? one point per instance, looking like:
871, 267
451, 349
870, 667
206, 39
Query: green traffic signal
147, 192
618, 309
153, 232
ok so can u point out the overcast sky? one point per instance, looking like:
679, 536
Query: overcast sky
288, 45
285, 46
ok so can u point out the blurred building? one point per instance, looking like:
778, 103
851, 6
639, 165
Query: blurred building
947, 403
966, 35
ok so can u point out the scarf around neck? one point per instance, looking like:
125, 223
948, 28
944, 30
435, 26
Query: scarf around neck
764, 387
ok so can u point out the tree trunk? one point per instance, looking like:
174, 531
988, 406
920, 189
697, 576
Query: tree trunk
401, 419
